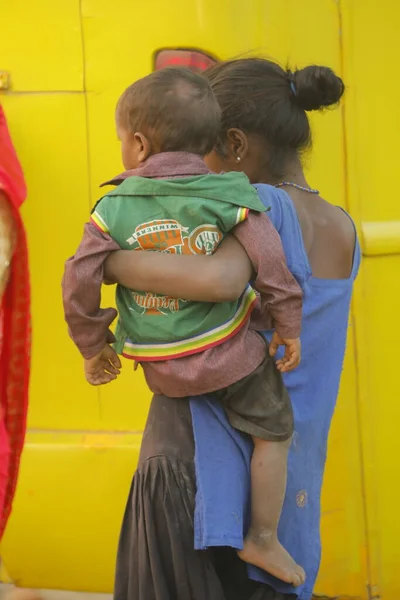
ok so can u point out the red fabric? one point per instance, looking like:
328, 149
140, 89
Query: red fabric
15, 326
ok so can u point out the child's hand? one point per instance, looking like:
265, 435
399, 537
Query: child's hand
104, 367
291, 358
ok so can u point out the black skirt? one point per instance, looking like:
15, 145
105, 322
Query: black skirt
156, 558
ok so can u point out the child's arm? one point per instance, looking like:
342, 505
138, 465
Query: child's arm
281, 296
220, 277
88, 324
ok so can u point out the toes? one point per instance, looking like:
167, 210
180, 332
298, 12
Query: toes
302, 574
297, 581
299, 577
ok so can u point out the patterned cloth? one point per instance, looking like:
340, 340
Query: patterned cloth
16, 333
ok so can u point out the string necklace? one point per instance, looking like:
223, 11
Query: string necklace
297, 186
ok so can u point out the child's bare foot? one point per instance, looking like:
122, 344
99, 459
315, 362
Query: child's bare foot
273, 558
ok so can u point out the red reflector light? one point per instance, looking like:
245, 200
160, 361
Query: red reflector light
193, 59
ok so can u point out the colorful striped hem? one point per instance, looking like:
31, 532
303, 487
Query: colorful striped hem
242, 214
196, 344
99, 222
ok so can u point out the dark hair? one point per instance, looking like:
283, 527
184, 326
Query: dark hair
175, 108
258, 96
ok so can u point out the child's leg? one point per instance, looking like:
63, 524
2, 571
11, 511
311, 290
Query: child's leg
268, 485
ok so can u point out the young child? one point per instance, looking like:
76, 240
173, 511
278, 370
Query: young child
168, 201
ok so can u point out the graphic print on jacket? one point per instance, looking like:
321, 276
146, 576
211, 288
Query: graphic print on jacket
189, 215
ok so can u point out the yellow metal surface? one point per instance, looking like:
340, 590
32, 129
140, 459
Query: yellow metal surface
371, 56
381, 238
83, 442
40, 45
69, 509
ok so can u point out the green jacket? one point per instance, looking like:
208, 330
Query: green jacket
189, 215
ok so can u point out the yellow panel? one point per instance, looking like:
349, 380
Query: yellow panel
50, 135
371, 57
41, 45
381, 237
344, 565
69, 507
380, 413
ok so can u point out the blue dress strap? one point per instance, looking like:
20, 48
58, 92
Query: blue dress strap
285, 220
357, 249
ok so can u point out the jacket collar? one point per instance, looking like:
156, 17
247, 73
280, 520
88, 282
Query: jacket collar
165, 165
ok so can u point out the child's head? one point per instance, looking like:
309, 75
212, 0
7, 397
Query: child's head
171, 110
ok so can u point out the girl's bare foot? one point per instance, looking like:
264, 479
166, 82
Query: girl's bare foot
273, 558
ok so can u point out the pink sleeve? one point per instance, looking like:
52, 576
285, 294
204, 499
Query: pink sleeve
281, 296
88, 324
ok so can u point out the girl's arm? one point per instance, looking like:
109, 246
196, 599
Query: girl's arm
221, 277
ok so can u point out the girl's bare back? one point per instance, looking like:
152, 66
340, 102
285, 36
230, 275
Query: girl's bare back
328, 235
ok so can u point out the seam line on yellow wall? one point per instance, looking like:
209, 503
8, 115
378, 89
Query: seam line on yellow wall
88, 156
41, 92
84, 432
84, 76
368, 556
368, 254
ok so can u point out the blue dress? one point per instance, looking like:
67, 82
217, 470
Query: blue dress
222, 454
